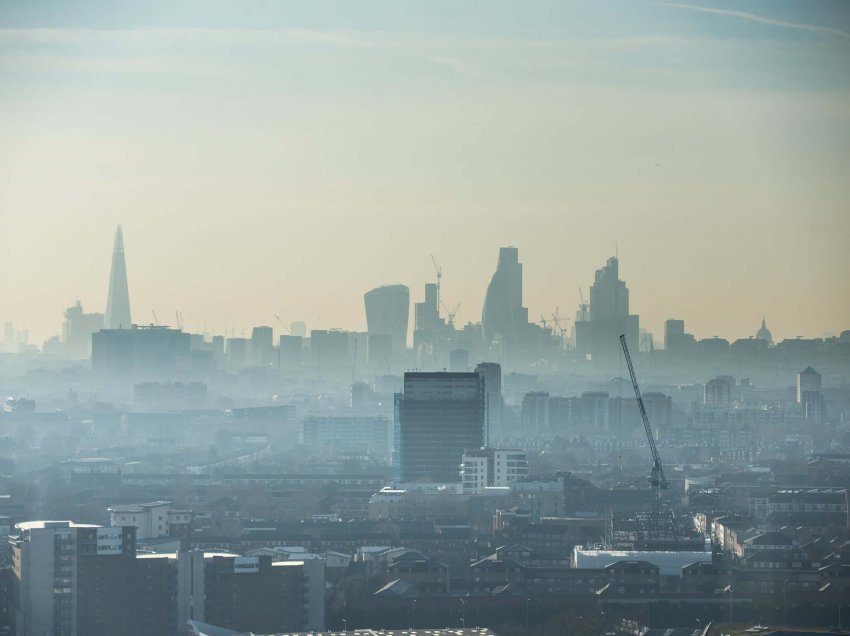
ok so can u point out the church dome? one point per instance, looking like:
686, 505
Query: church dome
764, 333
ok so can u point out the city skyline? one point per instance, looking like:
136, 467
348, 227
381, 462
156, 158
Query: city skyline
424, 317
162, 315
267, 142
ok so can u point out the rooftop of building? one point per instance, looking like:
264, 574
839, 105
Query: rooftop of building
748, 629
136, 508
41, 525
447, 631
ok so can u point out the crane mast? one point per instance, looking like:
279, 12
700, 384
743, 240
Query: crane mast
657, 479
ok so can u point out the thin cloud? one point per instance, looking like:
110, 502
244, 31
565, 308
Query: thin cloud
760, 19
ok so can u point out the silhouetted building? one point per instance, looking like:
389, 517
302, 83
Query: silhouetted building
387, 313
432, 337
291, 351
147, 353
262, 347
764, 333
437, 417
459, 360
808, 380
503, 314
379, 351
718, 392
598, 338
535, 413
492, 374
676, 341
77, 331
236, 354
329, 350
809, 395
118, 301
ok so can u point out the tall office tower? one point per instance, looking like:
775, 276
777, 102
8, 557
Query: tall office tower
807, 380
291, 350
118, 302
427, 313
718, 392
503, 312
599, 337
809, 395
432, 337
437, 417
674, 331
676, 341
77, 331
388, 312
492, 374
81, 579
764, 333
262, 347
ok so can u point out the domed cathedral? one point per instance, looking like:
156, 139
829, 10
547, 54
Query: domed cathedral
764, 333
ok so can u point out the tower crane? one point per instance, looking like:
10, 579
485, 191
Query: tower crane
583, 307
285, 328
439, 271
657, 478
452, 313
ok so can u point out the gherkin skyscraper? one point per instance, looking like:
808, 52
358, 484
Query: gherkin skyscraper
118, 302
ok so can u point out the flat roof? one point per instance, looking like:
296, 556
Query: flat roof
40, 525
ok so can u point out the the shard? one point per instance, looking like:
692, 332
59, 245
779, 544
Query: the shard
118, 303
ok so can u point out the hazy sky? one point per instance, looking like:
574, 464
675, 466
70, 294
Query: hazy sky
284, 157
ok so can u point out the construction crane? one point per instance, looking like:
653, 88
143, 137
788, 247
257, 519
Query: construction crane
285, 328
582, 308
657, 479
452, 313
439, 271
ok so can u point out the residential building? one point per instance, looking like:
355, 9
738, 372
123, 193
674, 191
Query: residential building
437, 417
492, 468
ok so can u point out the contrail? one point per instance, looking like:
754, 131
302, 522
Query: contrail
752, 17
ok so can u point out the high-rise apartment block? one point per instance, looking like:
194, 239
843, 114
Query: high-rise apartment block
78, 579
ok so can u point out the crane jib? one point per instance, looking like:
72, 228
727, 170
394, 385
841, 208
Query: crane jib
659, 479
